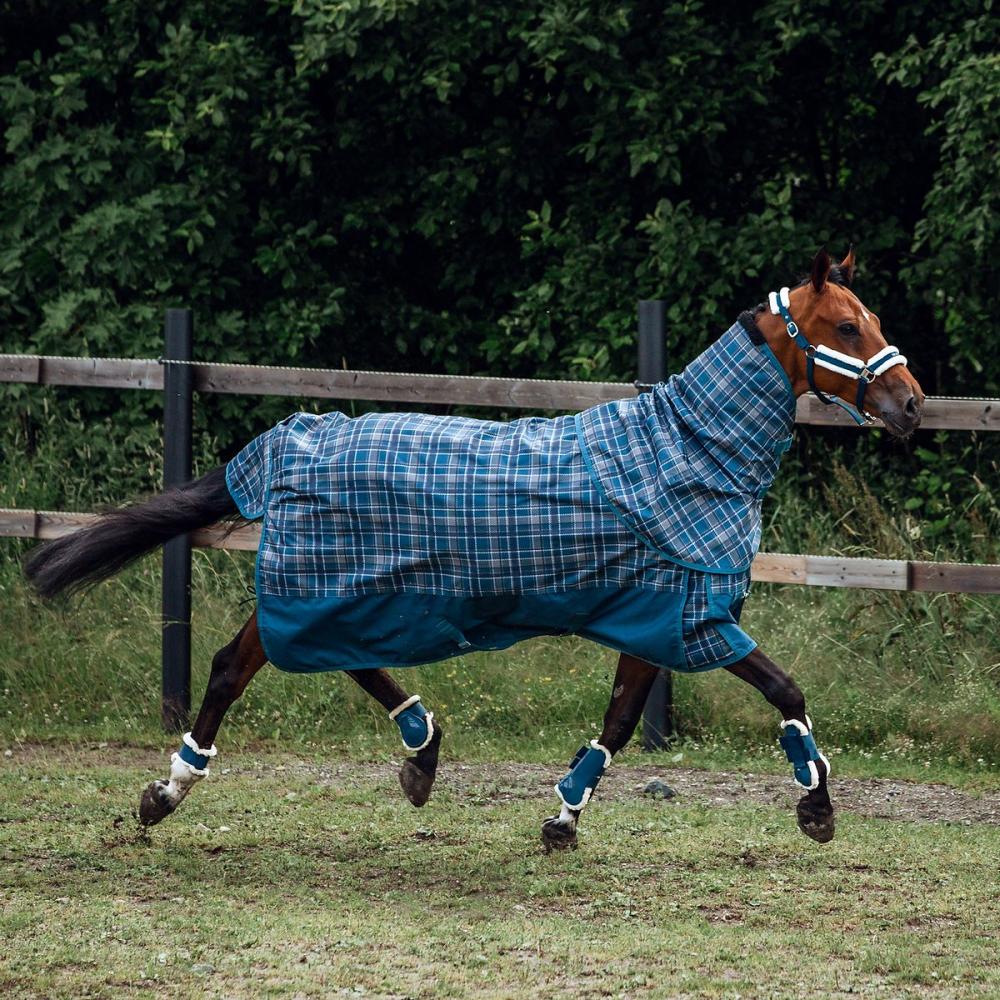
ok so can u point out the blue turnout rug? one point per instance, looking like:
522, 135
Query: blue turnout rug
398, 539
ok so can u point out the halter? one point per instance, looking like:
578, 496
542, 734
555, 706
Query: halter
865, 372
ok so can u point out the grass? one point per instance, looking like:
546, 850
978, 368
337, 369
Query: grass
293, 883
895, 683
299, 881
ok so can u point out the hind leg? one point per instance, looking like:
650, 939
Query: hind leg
416, 726
633, 680
233, 667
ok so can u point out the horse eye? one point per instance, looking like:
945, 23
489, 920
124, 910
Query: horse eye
847, 329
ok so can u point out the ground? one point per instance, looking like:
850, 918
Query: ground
296, 875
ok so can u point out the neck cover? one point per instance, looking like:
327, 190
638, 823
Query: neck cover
686, 465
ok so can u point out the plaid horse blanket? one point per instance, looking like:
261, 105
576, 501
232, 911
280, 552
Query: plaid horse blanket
397, 539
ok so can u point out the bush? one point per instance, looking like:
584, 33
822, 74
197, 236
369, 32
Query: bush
386, 184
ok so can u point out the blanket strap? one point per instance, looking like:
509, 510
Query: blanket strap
585, 771
416, 724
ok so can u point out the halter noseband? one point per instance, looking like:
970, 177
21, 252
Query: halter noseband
865, 372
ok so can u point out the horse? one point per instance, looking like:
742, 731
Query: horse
395, 539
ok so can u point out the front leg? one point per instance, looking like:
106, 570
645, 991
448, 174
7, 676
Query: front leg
814, 810
633, 680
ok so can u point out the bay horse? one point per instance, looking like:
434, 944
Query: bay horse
395, 539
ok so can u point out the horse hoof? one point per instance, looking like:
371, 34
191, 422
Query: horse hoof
415, 783
558, 835
154, 807
817, 824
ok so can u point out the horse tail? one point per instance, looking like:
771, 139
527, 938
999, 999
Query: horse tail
119, 537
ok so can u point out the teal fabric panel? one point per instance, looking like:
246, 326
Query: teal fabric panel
396, 630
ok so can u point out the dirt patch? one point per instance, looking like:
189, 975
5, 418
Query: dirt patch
873, 797
882, 798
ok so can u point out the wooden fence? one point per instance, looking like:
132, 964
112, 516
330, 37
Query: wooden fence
940, 412
177, 376
769, 567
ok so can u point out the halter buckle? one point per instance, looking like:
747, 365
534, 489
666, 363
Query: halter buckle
867, 375
792, 328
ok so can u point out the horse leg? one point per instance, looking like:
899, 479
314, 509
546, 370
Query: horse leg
633, 680
233, 667
416, 726
814, 810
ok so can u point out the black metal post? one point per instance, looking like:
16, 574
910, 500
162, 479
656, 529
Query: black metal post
177, 409
658, 717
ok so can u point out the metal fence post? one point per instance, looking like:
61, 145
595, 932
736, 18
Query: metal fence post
177, 410
658, 716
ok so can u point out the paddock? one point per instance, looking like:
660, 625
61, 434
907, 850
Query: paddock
305, 874
179, 378
302, 875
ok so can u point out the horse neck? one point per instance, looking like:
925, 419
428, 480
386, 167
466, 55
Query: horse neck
784, 349
731, 403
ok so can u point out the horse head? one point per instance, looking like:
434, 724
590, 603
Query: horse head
834, 346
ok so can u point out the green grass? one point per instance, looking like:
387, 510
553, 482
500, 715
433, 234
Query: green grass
325, 886
904, 684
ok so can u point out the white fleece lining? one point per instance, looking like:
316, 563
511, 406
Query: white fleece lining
191, 744
805, 730
604, 750
429, 722
409, 703
566, 815
876, 358
587, 792
773, 297
832, 353
802, 728
182, 777
823, 352
177, 762
900, 359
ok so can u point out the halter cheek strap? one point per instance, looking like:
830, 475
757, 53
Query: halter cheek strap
864, 372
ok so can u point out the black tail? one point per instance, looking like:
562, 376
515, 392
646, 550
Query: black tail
118, 538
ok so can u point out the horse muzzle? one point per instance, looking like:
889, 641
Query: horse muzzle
900, 404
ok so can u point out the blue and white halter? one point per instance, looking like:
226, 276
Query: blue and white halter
865, 372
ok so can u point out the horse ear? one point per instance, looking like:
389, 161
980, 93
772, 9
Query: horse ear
820, 269
847, 266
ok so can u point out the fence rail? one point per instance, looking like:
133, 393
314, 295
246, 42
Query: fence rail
769, 567
940, 412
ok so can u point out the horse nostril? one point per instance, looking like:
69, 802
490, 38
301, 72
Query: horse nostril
911, 406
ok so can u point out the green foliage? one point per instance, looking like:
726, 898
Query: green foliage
446, 187
956, 73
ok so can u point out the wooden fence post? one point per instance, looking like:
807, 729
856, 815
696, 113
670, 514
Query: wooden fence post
658, 717
177, 411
